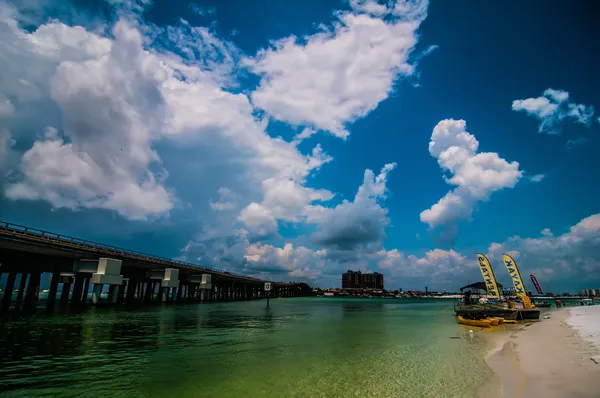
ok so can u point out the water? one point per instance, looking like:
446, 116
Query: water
304, 347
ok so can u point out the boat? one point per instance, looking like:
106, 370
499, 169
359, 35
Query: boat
484, 323
494, 321
544, 304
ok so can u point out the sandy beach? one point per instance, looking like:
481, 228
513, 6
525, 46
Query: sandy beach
552, 357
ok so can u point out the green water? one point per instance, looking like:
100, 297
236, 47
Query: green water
304, 347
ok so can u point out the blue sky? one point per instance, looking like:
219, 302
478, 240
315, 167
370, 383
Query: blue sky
294, 140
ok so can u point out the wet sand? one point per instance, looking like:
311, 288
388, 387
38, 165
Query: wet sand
547, 359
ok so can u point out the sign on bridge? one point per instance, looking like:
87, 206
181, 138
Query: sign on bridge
267, 286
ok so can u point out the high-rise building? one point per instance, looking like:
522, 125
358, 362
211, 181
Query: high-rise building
358, 280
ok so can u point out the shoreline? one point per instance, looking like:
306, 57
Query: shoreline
548, 358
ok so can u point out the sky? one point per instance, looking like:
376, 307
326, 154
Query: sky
296, 140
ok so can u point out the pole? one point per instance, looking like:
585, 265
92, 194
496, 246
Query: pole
268, 295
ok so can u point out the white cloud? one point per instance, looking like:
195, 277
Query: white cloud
6, 144
569, 259
357, 225
117, 98
537, 177
349, 232
259, 219
6, 107
110, 105
552, 108
341, 73
296, 262
436, 263
227, 200
475, 174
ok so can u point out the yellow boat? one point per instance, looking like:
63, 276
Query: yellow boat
484, 323
494, 321
509, 321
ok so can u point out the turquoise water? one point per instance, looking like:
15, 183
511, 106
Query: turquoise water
303, 347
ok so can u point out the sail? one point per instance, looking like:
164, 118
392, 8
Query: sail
488, 276
515, 275
537, 285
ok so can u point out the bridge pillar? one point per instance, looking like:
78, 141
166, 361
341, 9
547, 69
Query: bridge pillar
113, 290
66, 289
170, 281
130, 294
53, 290
33, 290
77, 289
148, 287
21, 290
180, 291
108, 273
86, 289
121, 291
8, 291
96, 292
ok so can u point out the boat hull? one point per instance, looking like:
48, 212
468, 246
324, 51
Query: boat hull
514, 314
484, 323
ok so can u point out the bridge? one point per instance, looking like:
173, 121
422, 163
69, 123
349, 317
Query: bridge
76, 265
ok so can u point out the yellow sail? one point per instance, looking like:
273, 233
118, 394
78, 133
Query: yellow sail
515, 275
488, 276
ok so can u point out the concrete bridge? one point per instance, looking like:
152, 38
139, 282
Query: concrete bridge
78, 266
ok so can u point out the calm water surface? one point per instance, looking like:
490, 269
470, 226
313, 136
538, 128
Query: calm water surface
303, 347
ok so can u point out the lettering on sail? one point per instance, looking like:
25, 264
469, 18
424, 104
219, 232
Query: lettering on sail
487, 276
512, 270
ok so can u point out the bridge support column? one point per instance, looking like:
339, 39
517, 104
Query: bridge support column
96, 292
130, 295
86, 290
66, 290
148, 291
53, 290
21, 290
33, 290
180, 291
77, 289
113, 290
8, 291
108, 273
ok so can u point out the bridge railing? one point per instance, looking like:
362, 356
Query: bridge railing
11, 229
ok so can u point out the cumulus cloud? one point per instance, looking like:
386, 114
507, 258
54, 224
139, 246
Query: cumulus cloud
107, 92
553, 108
568, 259
106, 102
349, 232
438, 267
355, 225
340, 74
475, 174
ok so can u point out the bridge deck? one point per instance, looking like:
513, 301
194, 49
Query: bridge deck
16, 234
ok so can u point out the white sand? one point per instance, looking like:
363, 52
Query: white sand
586, 320
548, 359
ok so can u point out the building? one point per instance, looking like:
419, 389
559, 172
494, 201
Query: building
358, 280
590, 292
